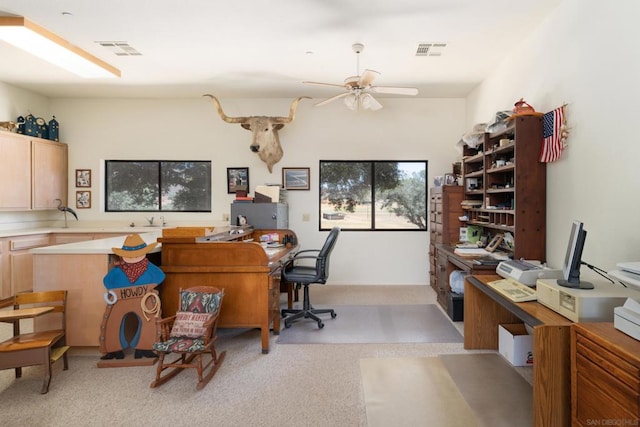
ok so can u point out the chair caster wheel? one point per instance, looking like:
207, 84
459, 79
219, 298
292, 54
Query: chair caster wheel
333, 315
320, 325
287, 325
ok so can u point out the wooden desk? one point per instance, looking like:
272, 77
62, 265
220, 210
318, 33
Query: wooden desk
249, 275
23, 313
485, 309
447, 262
14, 316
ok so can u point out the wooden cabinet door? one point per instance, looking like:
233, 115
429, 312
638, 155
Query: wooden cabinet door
15, 172
5, 278
21, 272
49, 165
21, 260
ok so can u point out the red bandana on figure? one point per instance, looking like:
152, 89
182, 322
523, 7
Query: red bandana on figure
134, 271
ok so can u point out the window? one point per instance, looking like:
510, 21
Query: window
151, 185
373, 195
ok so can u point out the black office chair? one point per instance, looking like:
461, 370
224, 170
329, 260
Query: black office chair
295, 271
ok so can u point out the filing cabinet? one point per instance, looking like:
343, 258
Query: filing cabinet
444, 226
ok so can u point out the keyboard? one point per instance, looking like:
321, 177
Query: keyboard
514, 291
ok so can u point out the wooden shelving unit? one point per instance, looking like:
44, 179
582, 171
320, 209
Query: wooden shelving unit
504, 177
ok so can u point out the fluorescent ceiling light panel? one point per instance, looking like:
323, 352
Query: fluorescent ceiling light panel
46, 45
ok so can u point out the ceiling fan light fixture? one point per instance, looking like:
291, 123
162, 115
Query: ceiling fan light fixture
38, 41
357, 88
368, 102
351, 101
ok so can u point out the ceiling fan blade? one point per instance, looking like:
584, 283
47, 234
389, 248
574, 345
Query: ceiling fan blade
324, 84
394, 90
368, 76
333, 98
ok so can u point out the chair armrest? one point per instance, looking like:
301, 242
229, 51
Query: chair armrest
163, 327
305, 251
293, 261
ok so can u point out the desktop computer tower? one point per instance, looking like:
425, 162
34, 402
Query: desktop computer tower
261, 215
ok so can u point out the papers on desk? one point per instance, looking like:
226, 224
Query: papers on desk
471, 252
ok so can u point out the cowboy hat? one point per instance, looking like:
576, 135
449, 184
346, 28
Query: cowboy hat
134, 247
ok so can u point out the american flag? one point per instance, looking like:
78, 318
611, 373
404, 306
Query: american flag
553, 143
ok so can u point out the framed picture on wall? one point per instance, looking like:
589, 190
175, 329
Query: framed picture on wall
295, 178
237, 177
450, 179
83, 177
83, 199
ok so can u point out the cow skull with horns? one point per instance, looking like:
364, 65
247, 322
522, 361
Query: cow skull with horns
265, 131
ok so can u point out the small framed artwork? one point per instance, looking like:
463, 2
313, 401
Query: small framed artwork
295, 178
83, 177
237, 177
83, 199
494, 243
449, 179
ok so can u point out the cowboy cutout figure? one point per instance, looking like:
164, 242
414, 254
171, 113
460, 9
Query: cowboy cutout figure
131, 295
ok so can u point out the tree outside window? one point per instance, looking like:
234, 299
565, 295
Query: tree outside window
373, 195
163, 186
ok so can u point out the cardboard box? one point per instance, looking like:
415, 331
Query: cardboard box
515, 344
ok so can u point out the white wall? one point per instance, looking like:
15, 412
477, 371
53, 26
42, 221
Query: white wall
406, 129
586, 55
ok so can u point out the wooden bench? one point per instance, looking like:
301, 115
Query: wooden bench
41, 347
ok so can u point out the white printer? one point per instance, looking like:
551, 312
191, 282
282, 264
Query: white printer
628, 273
526, 272
627, 318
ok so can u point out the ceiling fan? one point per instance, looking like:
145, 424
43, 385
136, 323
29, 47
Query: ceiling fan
359, 88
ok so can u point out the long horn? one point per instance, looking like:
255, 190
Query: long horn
223, 116
292, 111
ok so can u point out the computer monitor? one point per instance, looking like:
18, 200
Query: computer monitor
573, 259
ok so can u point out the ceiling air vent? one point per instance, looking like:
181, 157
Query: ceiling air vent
119, 48
430, 49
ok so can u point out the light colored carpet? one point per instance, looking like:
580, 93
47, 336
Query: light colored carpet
292, 386
359, 324
445, 391
419, 388
483, 380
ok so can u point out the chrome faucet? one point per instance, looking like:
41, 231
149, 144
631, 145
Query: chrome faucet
162, 221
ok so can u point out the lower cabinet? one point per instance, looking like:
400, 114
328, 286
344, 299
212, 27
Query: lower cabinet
17, 262
605, 376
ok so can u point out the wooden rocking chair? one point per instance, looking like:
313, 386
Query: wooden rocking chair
190, 334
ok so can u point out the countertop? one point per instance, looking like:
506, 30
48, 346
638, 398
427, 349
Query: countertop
99, 246
80, 230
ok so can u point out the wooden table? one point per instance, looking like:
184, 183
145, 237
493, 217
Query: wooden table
248, 273
485, 309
